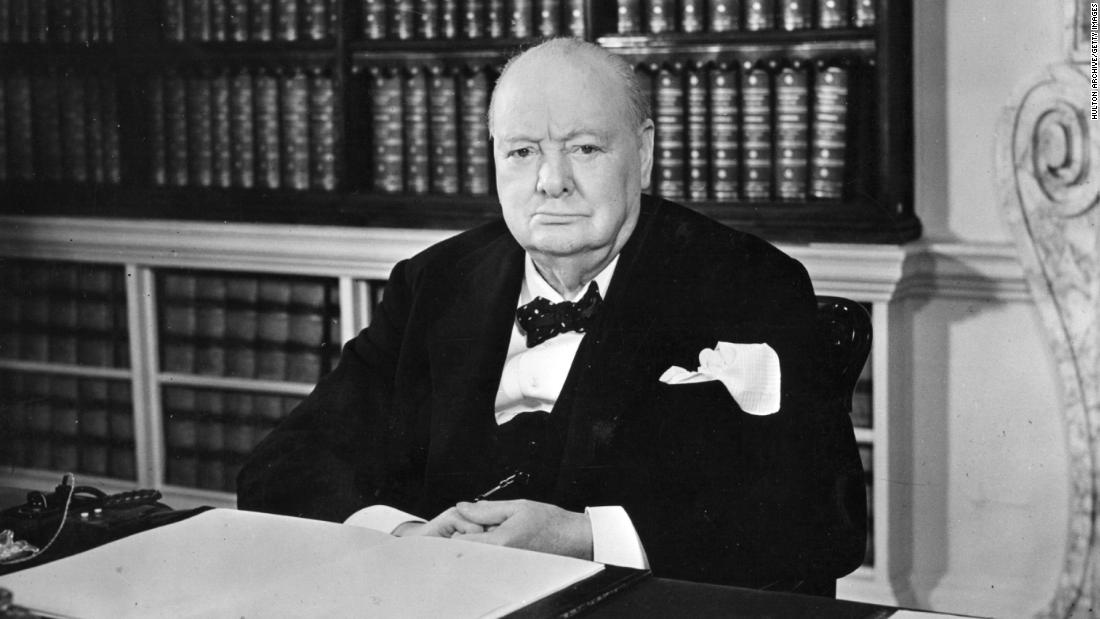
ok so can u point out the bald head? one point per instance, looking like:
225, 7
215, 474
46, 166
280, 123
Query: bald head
567, 58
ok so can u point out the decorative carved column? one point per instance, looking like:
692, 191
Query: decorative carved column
1048, 160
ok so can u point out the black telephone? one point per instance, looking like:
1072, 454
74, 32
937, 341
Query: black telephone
37, 520
75, 518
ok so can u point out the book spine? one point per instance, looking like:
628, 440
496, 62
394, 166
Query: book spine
698, 137
241, 299
295, 113
210, 325
219, 20
415, 104
448, 18
3, 129
692, 13
180, 437
629, 17
833, 14
175, 98
725, 15
662, 16
97, 170
5, 21
95, 319
429, 19
791, 132
829, 141
549, 17
65, 422
11, 313
725, 142
112, 153
92, 11
237, 20
240, 434
497, 18
669, 137
221, 130
107, 20
522, 19
322, 133
862, 407
22, 140
48, 121
39, 422
272, 328
386, 131
261, 20
756, 106
287, 18
63, 311
122, 461
267, 131
197, 24
474, 20
172, 20
35, 344
796, 14
760, 15
864, 13
200, 141
61, 20
474, 102
315, 20
241, 130
74, 128
210, 439
179, 322
443, 131
20, 21
94, 421
306, 331
374, 19
576, 19
38, 21
81, 28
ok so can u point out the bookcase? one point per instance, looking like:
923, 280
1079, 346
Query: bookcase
791, 119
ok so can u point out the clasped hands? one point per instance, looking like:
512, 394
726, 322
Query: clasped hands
518, 524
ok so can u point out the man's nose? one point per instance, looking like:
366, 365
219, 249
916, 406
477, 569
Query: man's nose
555, 175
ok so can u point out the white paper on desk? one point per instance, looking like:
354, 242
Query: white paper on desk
227, 563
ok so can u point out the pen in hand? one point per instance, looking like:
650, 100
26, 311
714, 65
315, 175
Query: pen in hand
514, 478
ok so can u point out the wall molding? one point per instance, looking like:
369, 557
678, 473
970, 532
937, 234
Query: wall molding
869, 273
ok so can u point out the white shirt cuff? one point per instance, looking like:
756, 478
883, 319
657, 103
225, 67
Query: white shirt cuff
381, 518
614, 540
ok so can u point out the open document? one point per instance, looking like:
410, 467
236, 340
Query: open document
227, 563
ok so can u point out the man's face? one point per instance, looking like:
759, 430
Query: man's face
569, 165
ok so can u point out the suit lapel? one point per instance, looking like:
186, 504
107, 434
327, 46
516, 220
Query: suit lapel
609, 360
467, 346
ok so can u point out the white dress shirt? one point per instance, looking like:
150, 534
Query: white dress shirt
532, 380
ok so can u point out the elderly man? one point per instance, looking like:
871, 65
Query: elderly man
552, 358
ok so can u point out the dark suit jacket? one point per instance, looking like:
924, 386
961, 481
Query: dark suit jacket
715, 494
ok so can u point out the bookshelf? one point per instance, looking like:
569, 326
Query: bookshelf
370, 112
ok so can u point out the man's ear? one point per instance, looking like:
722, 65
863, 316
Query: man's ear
645, 152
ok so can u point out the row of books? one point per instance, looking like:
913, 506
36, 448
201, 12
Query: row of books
56, 126
751, 133
660, 16
248, 20
63, 312
248, 326
243, 129
209, 433
65, 423
472, 19
428, 131
57, 21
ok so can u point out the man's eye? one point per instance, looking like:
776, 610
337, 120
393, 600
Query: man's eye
588, 149
521, 152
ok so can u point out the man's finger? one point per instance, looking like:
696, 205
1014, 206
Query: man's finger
487, 512
480, 538
462, 526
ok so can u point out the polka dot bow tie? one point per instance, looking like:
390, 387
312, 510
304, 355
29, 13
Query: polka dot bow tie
541, 320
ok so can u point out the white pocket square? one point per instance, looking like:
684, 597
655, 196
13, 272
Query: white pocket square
750, 372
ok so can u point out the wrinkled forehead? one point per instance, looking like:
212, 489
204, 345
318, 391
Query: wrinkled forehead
556, 94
